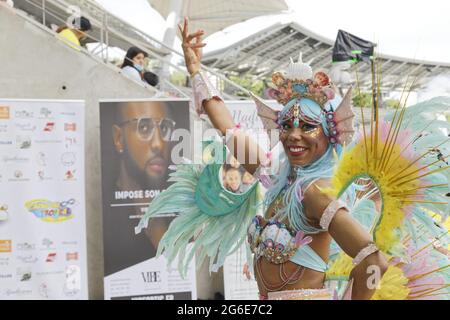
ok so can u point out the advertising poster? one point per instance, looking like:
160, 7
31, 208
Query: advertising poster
236, 179
42, 200
136, 152
236, 284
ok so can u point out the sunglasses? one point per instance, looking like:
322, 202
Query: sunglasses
145, 127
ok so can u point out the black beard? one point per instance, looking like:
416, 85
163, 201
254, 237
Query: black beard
140, 176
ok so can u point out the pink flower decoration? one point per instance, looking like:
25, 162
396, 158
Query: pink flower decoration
301, 240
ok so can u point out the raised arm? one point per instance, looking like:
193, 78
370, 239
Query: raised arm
331, 215
215, 108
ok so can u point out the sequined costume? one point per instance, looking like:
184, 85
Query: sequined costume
397, 154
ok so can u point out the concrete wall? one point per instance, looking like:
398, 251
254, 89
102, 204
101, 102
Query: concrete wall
35, 65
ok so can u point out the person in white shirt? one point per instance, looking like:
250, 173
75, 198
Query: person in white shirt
133, 66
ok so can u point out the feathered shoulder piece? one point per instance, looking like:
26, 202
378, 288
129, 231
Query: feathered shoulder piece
211, 220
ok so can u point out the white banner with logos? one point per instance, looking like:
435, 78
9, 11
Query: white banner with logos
236, 285
42, 200
151, 279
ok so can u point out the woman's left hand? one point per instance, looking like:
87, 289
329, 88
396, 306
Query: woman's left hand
192, 49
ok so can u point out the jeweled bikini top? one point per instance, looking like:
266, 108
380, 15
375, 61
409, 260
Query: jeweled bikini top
274, 240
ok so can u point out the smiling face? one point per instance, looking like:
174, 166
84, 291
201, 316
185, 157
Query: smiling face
233, 179
305, 144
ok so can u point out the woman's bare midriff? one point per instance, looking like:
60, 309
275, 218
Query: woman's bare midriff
310, 279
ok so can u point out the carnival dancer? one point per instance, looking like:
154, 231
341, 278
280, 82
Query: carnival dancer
338, 208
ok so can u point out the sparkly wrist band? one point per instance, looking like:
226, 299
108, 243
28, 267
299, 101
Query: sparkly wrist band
203, 90
330, 212
364, 253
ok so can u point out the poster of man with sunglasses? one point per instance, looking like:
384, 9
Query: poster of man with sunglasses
136, 145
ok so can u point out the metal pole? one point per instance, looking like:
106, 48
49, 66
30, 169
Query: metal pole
101, 34
43, 12
171, 32
107, 37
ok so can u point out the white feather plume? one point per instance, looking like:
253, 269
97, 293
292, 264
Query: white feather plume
299, 70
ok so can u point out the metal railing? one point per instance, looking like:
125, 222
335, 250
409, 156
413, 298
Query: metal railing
110, 31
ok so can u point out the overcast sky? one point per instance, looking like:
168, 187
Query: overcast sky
412, 29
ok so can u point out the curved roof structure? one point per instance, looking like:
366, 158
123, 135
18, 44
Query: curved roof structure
266, 51
215, 15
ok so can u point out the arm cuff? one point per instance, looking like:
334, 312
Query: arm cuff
330, 212
364, 253
203, 91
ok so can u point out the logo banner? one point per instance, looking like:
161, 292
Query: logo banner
42, 206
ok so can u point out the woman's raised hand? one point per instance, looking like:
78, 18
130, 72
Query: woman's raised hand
192, 47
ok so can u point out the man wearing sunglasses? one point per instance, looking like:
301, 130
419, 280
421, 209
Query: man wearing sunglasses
141, 135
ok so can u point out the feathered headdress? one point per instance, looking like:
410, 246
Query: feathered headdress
299, 83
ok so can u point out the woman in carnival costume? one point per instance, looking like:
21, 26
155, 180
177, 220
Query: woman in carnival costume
346, 216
